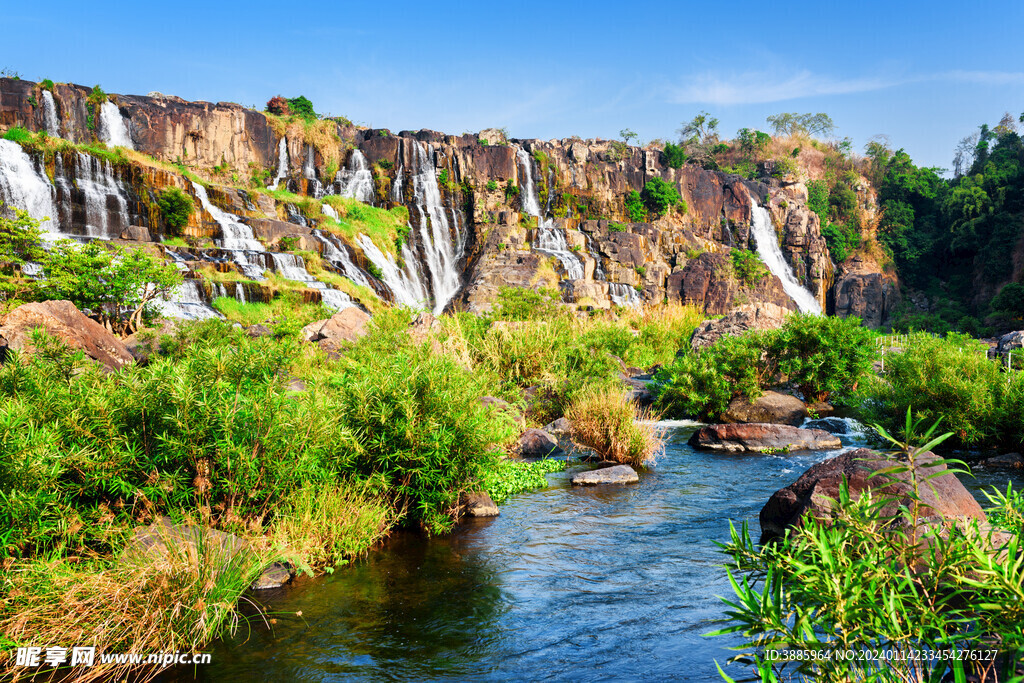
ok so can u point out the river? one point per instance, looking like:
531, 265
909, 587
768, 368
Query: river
604, 583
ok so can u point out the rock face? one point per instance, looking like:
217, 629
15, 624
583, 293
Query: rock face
816, 488
771, 407
536, 443
478, 504
347, 325
758, 438
863, 290
60, 319
1010, 341
619, 474
762, 316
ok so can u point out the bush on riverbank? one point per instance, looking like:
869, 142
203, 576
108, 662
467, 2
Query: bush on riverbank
821, 356
950, 378
607, 422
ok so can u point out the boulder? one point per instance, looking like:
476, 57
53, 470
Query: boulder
163, 538
137, 233
832, 425
770, 407
478, 504
1006, 461
347, 325
3, 349
619, 474
817, 489
559, 427
536, 443
758, 316
63, 321
760, 438
1010, 341
257, 331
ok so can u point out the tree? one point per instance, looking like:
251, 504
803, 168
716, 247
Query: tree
19, 245
635, 208
791, 123
116, 286
301, 106
699, 138
660, 196
278, 105
675, 156
1010, 300
627, 135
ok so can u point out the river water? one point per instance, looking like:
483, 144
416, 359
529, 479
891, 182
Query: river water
604, 583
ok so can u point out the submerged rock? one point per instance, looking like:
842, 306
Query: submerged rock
770, 407
478, 504
619, 474
832, 425
760, 438
817, 489
536, 443
60, 319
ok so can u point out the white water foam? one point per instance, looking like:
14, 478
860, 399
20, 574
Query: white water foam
771, 254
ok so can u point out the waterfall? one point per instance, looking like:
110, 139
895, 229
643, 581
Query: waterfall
599, 273
336, 253
549, 239
50, 119
356, 181
221, 290
113, 129
24, 185
103, 195
336, 299
282, 163
405, 285
235, 235
768, 248
188, 301
292, 267
316, 188
436, 243
623, 295
329, 211
396, 187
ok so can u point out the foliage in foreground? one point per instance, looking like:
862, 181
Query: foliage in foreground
864, 582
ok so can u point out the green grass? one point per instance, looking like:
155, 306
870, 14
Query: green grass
384, 227
278, 309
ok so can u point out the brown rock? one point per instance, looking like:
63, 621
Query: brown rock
136, 233
536, 443
62, 320
1006, 461
758, 316
478, 504
618, 474
817, 489
771, 407
758, 438
348, 324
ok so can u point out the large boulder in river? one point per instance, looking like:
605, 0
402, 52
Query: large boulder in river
759, 316
817, 489
770, 407
60, 319
619, 474
760, 438
536, 443
478, 504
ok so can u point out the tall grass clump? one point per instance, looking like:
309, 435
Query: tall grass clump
607, 422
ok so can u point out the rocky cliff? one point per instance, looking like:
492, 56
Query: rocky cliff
483, 212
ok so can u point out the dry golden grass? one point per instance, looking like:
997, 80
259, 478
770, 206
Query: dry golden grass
612, 426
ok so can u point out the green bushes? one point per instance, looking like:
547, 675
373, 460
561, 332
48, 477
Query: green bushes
820, 355
176, 208
659, 197
634, 205
748, 267
674, 155
951, 379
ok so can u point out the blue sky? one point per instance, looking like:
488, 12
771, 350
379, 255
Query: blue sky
924, 73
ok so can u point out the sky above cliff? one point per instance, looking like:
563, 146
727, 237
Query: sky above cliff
924, 73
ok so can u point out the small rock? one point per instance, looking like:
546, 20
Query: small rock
536, 443
274, 576
832, 425
479, 504
257, 331
1006, 461
619, 474
137, 233
759, 438
559, 427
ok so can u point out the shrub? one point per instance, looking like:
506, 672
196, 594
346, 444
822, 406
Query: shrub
823, 355
518, 303
660, 196
635, 208
278, 105
1010, 300
97, 96
674, 155
46, 84
301, 106
492, 185
606, 421
748, 267
176, 208
509, 477
616, 227
511, 191
19, 135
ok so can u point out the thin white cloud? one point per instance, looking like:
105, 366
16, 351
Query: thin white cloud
760, 87
985, 77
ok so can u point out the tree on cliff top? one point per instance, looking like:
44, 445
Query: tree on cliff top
791, 123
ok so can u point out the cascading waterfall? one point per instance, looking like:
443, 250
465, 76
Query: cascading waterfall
50, 120
282, 163
623, 295
316, 188
768, 248
23, 184
336, 253
442, 254
188, 301
235, 235
356, 181
405, 283
293, 267
549, 240
102, 194
113, 129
